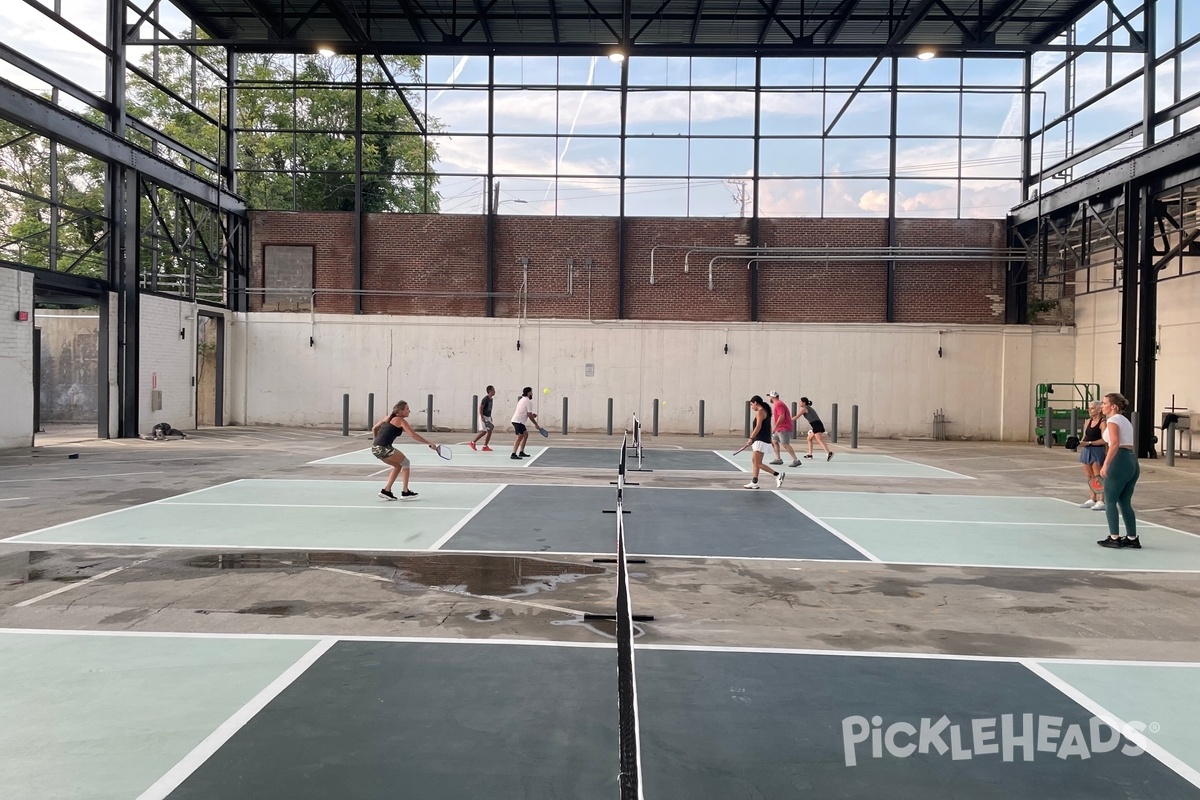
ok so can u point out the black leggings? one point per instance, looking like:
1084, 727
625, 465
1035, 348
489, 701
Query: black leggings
1122, 476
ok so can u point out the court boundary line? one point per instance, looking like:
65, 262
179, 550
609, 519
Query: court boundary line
487, 501
208, 747
870, 556
81, 477
949, 475
939, 469
325, 461
1152, 748
76, 584
308, 637
374, 507
1147, 522
977, 522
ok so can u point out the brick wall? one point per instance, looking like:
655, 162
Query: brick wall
445, 256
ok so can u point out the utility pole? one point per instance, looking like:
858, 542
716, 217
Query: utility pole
740, 194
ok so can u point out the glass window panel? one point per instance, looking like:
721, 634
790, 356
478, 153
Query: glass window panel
661, 113
526, 196
708, 198
1044, 63
526, 111
588, 71
590, 197
787, 157
996, 158
1164, 85
1048, 100
656, 71
656, 198
993, 114
850, 71
796, 113
325, 109
459, 110
1093, 24
1108, 115
856, 157
462, 194
724, 157
525, 155
722, 72
927, 113
989, 199
992, 72
656, 156
1125, 64
589, 112
937, 199
790, 198
457, 70
587, 156
927, 158
934, 72
869, 113
526, 70
722, 113
1090, 75
792, 71
1189, 71
460, 153
1164, 19
383, 110
855, 198
1189, 20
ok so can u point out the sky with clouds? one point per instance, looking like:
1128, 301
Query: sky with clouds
559, 151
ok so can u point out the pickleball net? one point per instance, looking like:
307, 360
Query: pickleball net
631, 772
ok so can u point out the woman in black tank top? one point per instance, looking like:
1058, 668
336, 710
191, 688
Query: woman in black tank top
1092, 450
760, 441
386, 431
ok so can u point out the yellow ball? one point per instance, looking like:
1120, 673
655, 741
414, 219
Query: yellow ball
546, 390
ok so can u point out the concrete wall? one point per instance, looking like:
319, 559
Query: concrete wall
70, 359
16, 360
167, 363
983, 380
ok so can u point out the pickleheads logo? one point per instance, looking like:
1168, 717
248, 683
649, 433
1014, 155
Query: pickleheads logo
1029, 734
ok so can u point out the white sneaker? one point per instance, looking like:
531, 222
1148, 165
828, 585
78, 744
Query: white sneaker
1087, 504
779, 479
749, 485
1099, 506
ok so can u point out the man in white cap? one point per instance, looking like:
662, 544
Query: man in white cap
781, 429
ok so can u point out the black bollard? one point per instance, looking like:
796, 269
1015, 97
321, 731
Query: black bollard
564, 416
370, 410
654, 428
854, 427
610, 412
833, 424
429, 415
345, 415
701, 419
474, 413
747, 419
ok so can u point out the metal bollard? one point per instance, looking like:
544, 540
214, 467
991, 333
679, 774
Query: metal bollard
1169, 444
1073, 423
429, 415
1049, 438
833, 424
564, 416
610, 404
654, 426
747, 419
345, 415
853, 427
795, 408
474, 413
370, 410
701, 419
1133, 417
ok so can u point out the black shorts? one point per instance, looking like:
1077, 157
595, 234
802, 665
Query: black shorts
519, 427
818, 427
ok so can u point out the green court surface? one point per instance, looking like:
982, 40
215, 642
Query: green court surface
849, 465
274, 514
104, 717
422, 456
1032, 532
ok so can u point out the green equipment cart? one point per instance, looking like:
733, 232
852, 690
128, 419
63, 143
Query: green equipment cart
1061, 410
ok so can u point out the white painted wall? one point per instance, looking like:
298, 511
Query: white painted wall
983, 380
168, 362
16, 360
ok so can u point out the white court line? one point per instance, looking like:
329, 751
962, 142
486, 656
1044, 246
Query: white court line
831, 529
729, 459
926, 466
1156, 750
545, 449
80, 477
977, 522
482, 504
1140, 522
77, 584
214, 741
11, 499
372, 507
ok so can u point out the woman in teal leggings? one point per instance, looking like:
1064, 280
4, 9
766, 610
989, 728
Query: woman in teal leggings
1120, 472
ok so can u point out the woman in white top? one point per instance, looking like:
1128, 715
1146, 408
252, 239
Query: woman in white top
1120, 472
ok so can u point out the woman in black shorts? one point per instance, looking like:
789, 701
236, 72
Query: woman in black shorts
386, 432
1092, 451
818, 428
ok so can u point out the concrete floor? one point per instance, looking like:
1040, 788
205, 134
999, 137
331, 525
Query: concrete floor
807, 604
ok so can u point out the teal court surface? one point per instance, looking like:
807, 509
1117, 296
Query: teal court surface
1027, 532
112, 716
422, 456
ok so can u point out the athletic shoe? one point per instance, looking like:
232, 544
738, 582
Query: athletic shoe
829, 456
471, 445
795, 463
487, 449
524, 455
1109, 541
1099, 506
386, 495
407, 494
751, 485
777, 462
1087, 504
1133, 542
809, 455
515, 457
779, 476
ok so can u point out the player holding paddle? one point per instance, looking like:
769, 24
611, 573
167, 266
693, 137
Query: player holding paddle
386, 431
523, 414
760, 444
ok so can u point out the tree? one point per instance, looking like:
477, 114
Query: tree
296, 119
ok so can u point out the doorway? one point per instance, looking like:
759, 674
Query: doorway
210, 370
68, 352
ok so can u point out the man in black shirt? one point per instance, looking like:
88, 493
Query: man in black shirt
485, 414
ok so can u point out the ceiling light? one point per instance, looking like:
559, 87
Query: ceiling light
326, 51
616, 56
926, 53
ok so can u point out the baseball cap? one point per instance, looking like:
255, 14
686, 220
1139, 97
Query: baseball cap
772, 394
